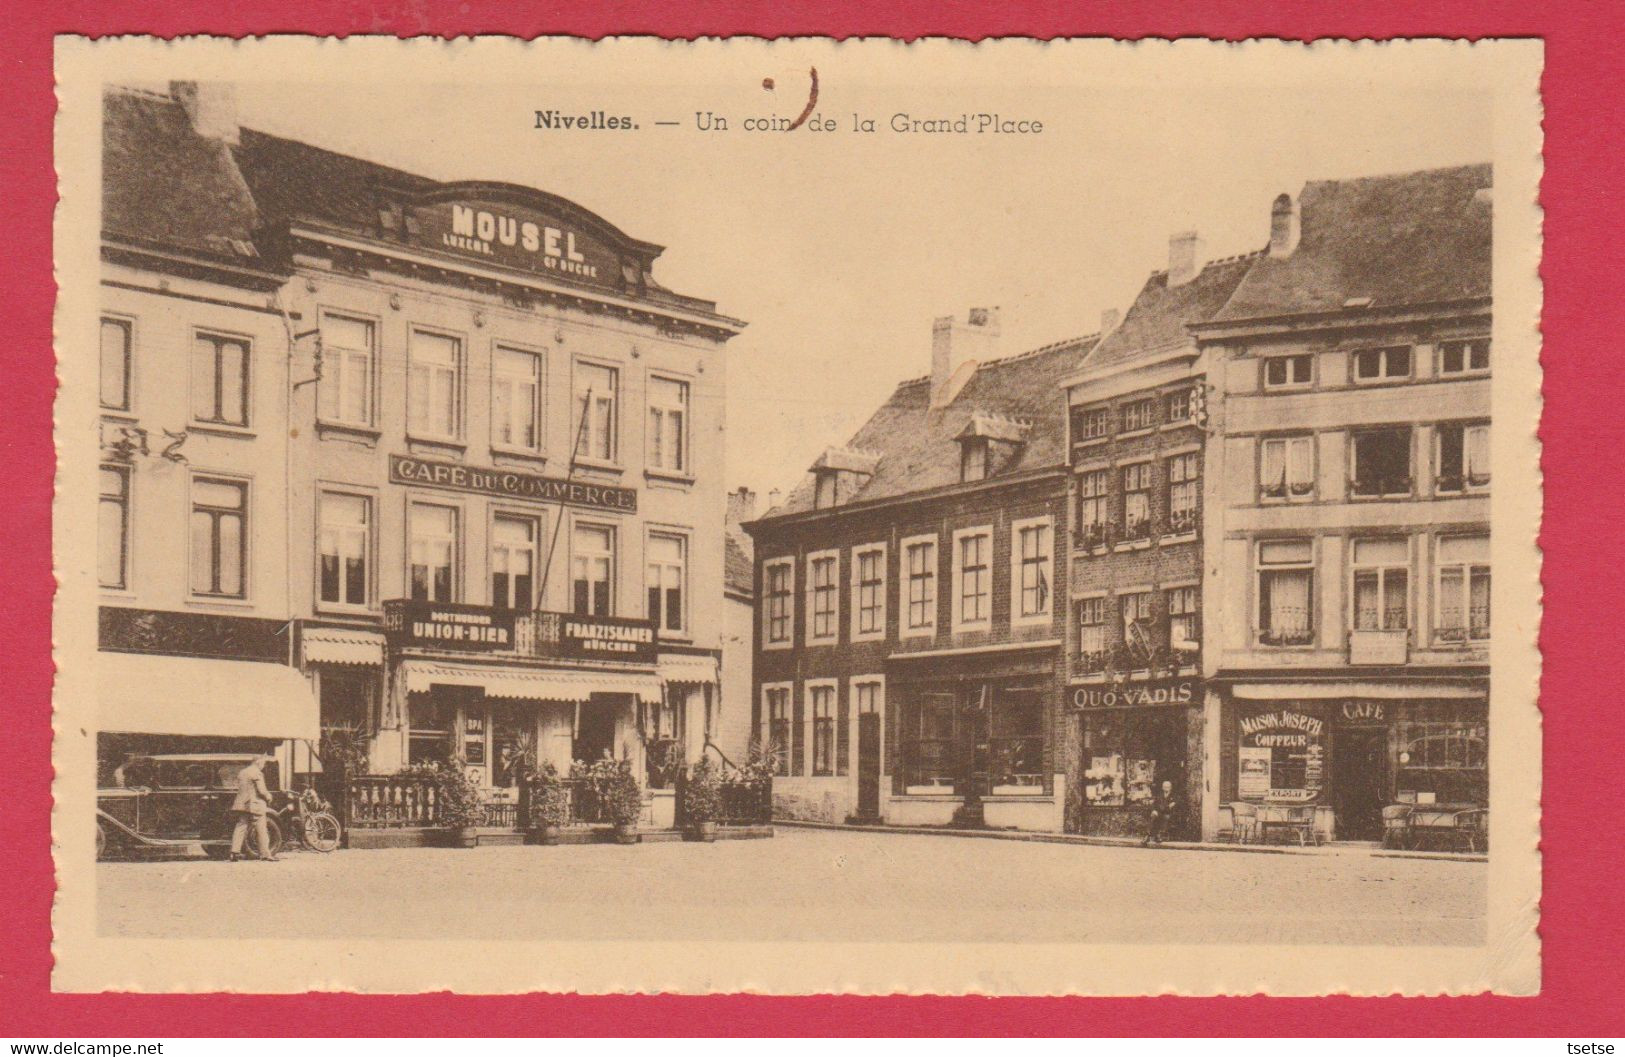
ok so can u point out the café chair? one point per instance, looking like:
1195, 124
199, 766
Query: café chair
1245, 830
1396, 826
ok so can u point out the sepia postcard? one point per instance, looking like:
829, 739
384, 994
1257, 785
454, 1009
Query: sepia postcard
798, 517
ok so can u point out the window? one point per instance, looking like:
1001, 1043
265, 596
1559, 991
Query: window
1385, 364
973, 459
666, 578
1464, 457
429, 731
1031, 570
869, 592
219, 380
1285, 372
433, 553
929, 744
1090, 424
668, 425
1285, 581
920, 561
1286, 468
345, 391
433, 384
592, 557
597, 390
1470, 356
344, 545
823, 596
1135, 607
823, 729
219, 537
1464, 589
516, 396
1092, 634
778, 727
1139, 414
973, 553
866, 696
113, 528
1137, 501
1184, 620
1184, 491
1016, 747
1382, 462
1092, 494
513, 561
779, 586
115, 372
1178, 406
825, 483
1382, 576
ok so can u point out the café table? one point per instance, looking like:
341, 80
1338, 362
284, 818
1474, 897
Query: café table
1441, 820
1295, 819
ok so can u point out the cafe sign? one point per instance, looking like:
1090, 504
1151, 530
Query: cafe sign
1136, 695
449, 626
510, 484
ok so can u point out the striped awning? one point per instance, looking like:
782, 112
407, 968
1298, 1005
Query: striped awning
342, 646
535, 684
687, 668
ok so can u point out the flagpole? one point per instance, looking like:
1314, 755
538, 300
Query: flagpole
558, 523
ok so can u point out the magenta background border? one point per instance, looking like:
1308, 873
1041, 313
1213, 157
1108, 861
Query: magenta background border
1584, 942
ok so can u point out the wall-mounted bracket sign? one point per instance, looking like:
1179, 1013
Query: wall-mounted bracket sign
448, 625
510, 484
1138, 695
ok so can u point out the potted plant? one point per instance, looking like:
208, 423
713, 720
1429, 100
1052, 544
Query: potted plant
621, 798
549, 804
702, 800
462, 808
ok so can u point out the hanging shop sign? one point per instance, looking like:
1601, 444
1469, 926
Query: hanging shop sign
510, 484
1138, 695
1281, 756
448, 626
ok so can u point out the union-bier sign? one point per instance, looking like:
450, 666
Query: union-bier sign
510, 484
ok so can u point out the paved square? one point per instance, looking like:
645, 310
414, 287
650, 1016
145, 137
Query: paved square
807, 885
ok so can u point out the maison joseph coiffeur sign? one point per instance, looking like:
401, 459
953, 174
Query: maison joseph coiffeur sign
510, 484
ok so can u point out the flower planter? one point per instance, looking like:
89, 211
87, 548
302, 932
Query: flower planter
549, 835
463, 836
627, 834
705, 832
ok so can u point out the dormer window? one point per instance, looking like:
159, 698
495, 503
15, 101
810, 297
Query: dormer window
839, 474
824, 490
989, 442
973, 459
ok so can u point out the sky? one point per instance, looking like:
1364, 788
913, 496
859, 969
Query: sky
839, 248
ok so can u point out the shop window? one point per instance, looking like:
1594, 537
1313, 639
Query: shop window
512, 744
822, 707
1138, 415
777, 707
1184, 622
344, 394
1286, 572
1382, 577
516, 399
1128, 754
219, 537
597, 396
1469, 356
1016, 750
1281, 756
1443, 758
1033, 566
113, 528
1177, 406
434, 385
973, 594
823, 597
869, 592
1090, 423
1092, 635
1464, 457
779, 586
1464, 589
219, 380
1381, 462
347, 700
1286, 468
433, 553
661, 723
592, 561
1137, 501
668, 425
1184, 491
1093, 488
1384, 364
666, 577
929, 744
513, 561
344, 543
920, 557
429, 733
1288, 372
116, 364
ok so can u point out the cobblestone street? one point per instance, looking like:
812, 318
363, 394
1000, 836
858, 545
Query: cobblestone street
805, 884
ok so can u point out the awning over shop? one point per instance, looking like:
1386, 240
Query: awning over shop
687, 668
342, 646
541, 684
140, 693
1337, 690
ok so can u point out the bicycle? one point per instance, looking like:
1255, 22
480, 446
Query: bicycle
308, 819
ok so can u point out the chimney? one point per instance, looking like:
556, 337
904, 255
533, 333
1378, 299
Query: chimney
957, 346
1284, 226
211, 107
741, 506
773, 498
1184, 257
1109, 320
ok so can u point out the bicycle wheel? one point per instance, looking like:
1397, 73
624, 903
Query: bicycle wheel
321, 832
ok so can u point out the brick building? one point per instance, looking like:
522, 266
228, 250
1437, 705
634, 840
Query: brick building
909, 619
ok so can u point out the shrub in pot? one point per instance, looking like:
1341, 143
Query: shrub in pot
462, 808
621, 797
702, 800
549, 804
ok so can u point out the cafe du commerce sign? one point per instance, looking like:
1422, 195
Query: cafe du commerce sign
518, 238
509, 484
1136, 695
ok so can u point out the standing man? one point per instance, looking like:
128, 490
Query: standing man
252, 802
1162, 809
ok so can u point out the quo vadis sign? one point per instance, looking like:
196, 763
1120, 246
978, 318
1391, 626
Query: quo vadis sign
518, 238
510, 484
1132, 695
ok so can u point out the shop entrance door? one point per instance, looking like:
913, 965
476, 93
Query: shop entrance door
1360, 781
595, 730
869, 765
